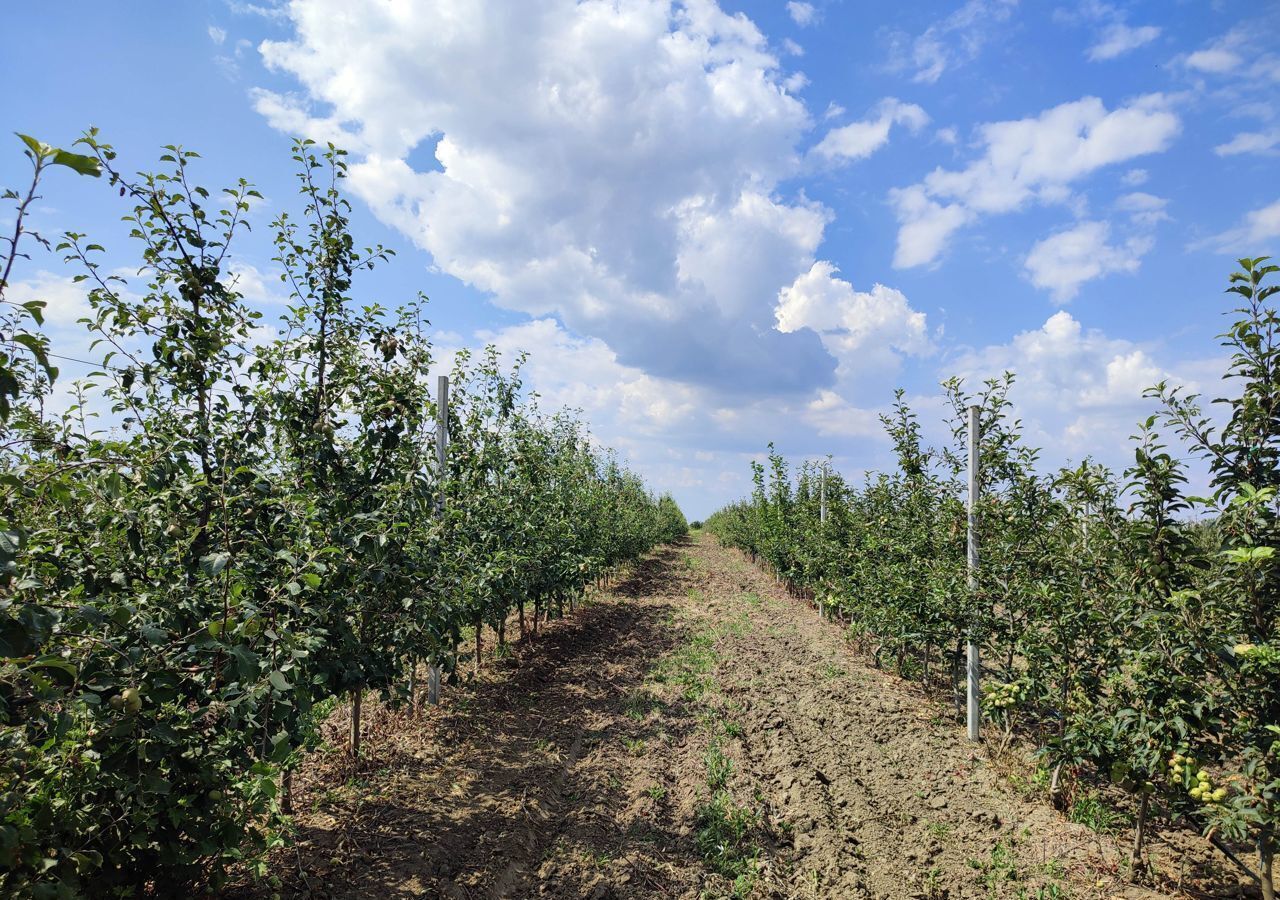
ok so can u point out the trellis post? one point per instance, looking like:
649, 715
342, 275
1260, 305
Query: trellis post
822, 518
442, 458
822, 494
973, 668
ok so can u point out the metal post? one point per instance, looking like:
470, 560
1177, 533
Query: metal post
442, 435
822, 494
822, 518
442, 461
973, 668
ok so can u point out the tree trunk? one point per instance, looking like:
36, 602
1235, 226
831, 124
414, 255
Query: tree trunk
1266, 860
1139, 833
286, 785
520, 610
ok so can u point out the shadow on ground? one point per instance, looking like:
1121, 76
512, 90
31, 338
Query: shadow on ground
468, 799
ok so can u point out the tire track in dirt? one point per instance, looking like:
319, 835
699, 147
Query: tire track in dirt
884, 796
580, 768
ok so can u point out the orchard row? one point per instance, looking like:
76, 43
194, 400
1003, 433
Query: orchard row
233, 520
1131, 628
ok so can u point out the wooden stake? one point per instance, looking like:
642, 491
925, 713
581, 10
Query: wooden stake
356, 696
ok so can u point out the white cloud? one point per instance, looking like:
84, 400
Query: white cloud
863, 330
802, 13
1143, 208
570, 372
1078, 391
1217, 60
831, 415
953, 41
791, 47
948, 135
1242, 58
569, 179
217, 35
925, 225
1249, 142
1027, 160
859, 140
1135, 177
1064, 261
1260, 226
1118, 39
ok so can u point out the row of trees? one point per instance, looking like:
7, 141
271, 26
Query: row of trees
1125, 623
229, 523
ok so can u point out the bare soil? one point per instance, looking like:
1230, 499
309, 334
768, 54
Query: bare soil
694, 732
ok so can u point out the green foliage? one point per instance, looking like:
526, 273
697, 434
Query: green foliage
1119, 632
263, 526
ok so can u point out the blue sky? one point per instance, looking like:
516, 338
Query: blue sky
718, 225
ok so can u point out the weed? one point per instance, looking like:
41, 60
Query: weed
635, 746
597, 859
688, 667
719, 767
1001, 867
1090, 810
637, 706
940, 830
656, 793
724, 840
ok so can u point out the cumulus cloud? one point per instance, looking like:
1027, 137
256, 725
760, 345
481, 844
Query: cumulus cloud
1064, 261
571, 372
802, 13
1078, 390
1026, 160
577, 186
1118, 39
953, 41
863, 330
859, 140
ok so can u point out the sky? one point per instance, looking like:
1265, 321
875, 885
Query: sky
715, 225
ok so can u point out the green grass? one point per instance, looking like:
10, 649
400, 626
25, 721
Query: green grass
724, 839
1002, 866
1090, 810
689, 667
719, 767
940, 830
638, 705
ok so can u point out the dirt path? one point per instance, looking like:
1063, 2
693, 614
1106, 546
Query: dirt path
696, 734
